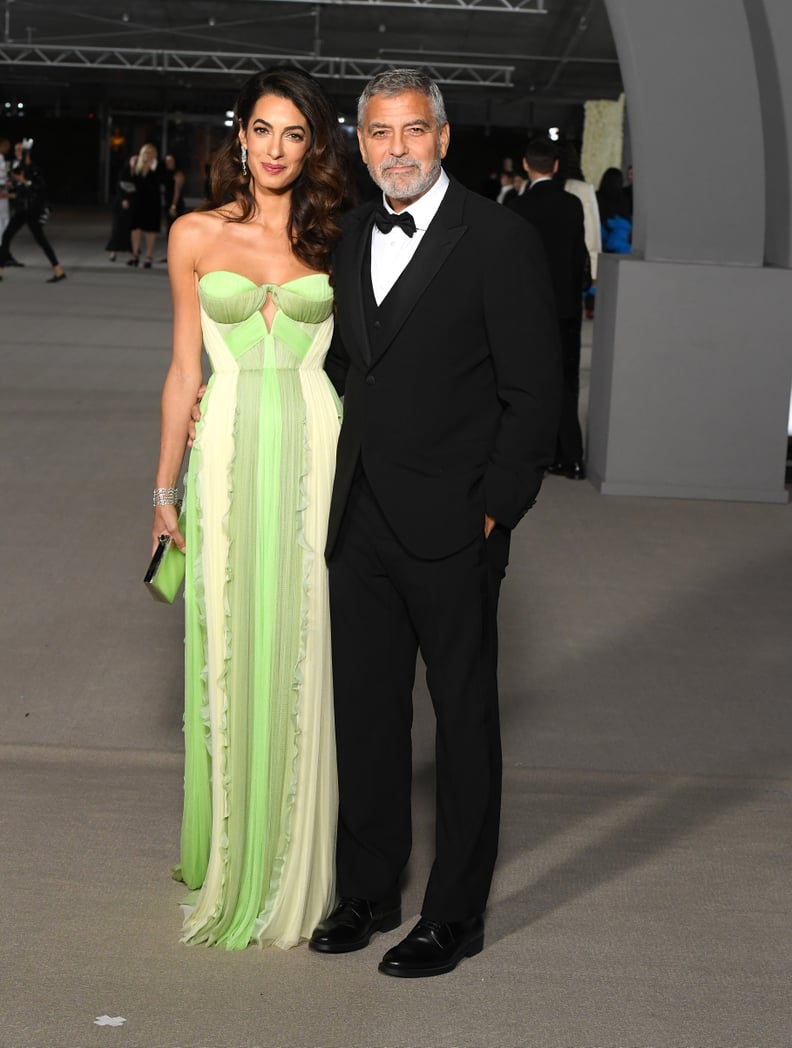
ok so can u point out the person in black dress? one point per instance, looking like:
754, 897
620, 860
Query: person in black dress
121, 230
147, 204
173, 180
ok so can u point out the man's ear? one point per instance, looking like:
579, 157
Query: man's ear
525, 165
362, 146
445, 138
555, 167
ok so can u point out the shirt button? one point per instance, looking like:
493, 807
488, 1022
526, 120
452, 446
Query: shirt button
377, 324
370, 380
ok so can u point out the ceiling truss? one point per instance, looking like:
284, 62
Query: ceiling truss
233, 63
520, 7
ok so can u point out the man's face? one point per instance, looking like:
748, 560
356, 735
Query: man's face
402, 146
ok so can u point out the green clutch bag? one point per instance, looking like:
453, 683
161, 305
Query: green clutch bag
166, 571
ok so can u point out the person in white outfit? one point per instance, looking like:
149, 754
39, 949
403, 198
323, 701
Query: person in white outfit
575, 183
5, 145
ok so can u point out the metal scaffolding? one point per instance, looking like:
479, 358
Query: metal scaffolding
233, 63
521, 7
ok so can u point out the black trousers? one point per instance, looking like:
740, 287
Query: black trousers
31, 220
569, 443
385, 605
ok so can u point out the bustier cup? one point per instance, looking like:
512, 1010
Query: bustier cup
230, 298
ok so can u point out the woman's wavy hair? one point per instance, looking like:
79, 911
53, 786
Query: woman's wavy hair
322, 190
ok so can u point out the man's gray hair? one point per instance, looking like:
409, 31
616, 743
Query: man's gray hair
395, 82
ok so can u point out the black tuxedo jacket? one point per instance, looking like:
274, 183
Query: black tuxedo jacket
557, 216
451, 404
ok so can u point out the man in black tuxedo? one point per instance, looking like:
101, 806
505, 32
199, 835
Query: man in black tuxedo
446, 354
557, 217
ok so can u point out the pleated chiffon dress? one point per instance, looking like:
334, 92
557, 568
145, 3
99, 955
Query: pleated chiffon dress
260, 787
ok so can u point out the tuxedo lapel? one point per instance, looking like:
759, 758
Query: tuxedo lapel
444, 232
349, 259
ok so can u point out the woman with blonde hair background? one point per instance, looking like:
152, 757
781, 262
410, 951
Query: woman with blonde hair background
146, 204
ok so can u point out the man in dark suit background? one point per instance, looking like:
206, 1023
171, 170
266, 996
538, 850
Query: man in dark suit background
557, 217
446, 354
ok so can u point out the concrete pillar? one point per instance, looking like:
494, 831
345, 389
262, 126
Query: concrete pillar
691, 361
770, 23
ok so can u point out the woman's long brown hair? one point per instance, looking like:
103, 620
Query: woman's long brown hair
322, 190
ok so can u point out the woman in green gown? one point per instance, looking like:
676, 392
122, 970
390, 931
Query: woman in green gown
249, 280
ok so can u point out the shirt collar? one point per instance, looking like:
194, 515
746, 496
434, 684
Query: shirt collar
424, 209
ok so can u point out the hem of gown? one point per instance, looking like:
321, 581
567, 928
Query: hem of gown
257, 933
279, 943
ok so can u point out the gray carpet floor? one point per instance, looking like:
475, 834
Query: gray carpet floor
643, 893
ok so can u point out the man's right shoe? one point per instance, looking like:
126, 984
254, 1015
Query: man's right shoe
352, 923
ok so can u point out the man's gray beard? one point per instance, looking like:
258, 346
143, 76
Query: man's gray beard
415, 187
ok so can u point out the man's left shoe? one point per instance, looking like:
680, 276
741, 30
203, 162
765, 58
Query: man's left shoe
434, 948
13, 262
56, 279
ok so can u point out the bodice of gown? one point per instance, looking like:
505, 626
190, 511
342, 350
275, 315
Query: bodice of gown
231, 308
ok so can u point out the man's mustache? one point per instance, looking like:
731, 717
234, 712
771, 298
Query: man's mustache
386, 165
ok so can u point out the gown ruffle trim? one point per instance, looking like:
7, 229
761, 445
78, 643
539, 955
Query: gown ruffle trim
259, 931
202, 933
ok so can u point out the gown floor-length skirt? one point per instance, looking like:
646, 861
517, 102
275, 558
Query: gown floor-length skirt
260, 789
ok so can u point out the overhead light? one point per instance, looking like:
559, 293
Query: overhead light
554, 133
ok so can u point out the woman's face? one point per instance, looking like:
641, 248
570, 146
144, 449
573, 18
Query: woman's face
278, 139
148, 156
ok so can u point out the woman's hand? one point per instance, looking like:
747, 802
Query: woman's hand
195, 416
166, 522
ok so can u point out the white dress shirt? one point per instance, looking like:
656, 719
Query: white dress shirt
391, 252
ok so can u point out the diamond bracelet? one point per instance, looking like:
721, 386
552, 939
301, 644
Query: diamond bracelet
165, 497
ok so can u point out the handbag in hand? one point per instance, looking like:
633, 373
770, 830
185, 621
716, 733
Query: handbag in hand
167, 568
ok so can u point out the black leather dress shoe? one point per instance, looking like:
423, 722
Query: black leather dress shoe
352, 923
434, 948
13, 262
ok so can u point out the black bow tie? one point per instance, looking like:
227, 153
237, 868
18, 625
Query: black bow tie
385, 221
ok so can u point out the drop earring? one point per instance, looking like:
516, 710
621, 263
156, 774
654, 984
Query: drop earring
244, 160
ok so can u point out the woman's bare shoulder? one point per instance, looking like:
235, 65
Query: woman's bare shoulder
197, 222
196, 229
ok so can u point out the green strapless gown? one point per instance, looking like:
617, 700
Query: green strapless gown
261, 795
